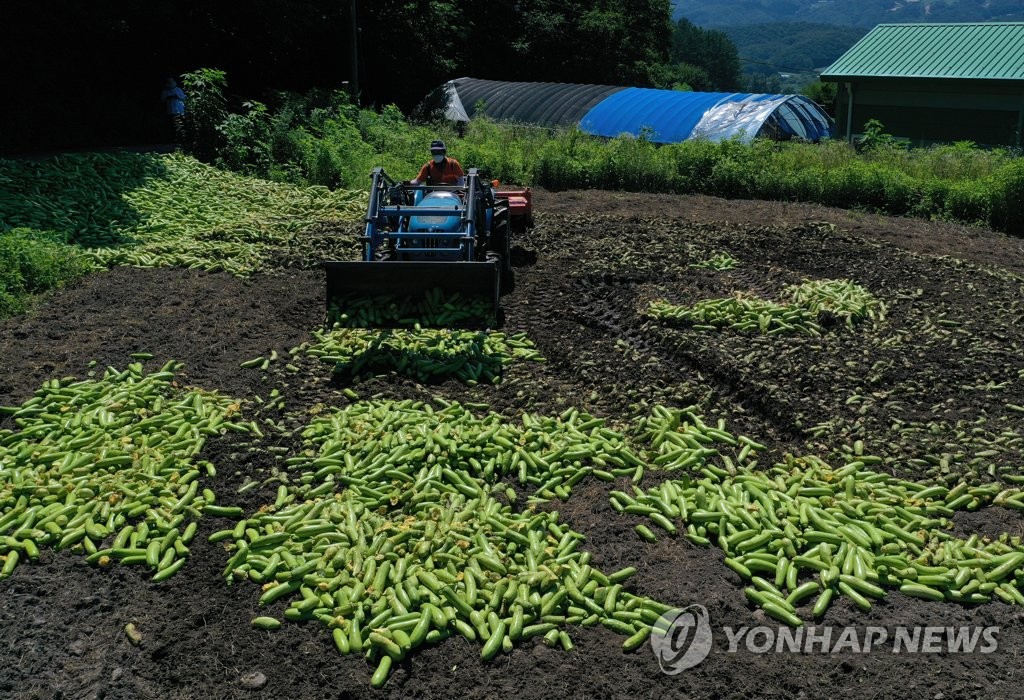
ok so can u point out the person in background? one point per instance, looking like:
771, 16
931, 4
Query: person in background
440, 170
174, 101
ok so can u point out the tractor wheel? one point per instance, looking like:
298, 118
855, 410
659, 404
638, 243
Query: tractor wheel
500, 236
501, 245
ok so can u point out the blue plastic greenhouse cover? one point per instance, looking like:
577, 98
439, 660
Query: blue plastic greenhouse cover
668, 116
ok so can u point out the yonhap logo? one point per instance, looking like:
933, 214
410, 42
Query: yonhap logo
681, 638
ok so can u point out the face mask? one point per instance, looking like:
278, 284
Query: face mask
438, 157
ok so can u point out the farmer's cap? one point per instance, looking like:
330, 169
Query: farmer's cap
437, 147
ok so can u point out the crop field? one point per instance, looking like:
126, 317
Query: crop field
790, 415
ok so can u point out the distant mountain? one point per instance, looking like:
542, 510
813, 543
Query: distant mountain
865, 13
791, 47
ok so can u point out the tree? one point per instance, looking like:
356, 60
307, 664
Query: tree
710, 50
824, 94
407, 48
768, 83
683, 76
594, 41
598, 41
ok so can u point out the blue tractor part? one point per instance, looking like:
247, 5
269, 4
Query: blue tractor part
438, 199
428, 237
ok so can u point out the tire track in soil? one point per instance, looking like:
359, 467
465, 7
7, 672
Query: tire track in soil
605, 312
603, 290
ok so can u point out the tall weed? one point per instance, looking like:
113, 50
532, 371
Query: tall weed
32, 262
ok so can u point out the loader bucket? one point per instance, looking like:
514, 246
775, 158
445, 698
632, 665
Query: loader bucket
396, 293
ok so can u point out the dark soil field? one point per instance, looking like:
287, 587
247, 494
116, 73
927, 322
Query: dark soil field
934, 378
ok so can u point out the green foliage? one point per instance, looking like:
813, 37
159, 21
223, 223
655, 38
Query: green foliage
970, 202
1007, 196
327, 140
822, 93
322, 138
247, 140
565, 161
875, 138
416, 46
611, 42
710, 50
685, 77
506, 152
33, 262
765, 83
205, 110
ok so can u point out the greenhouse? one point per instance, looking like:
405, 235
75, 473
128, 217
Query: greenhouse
661, 116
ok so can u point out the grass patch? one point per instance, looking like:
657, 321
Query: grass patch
33, 262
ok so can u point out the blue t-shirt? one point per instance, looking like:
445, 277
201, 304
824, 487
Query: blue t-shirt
175, 100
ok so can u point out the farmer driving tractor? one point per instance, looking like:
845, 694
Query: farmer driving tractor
440, 169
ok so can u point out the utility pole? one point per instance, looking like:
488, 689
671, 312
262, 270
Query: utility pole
354, 57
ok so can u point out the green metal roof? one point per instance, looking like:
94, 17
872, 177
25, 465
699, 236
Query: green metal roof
975, 51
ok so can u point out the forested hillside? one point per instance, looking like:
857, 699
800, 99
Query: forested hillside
791, 47
860, 14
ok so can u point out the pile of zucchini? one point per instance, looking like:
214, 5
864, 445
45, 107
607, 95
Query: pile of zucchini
804, 530
397, 531
106, 467
808, 303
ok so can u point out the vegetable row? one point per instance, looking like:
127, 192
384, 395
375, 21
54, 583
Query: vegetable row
809, 302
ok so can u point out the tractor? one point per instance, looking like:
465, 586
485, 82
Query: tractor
420, 239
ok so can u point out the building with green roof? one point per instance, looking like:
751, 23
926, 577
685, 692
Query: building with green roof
932, 83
